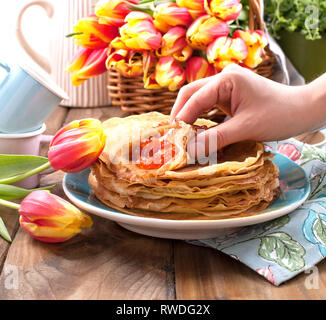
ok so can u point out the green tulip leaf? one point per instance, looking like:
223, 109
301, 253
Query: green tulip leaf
17, 167
4, 232
9, 192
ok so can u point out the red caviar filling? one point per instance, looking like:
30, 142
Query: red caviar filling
161, 124
154, 153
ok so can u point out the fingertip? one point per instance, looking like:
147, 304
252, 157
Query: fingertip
185, 116
174, 112
174, 117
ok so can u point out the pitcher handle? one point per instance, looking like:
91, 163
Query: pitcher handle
7, 68
42, 61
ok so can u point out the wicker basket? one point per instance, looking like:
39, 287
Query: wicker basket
131, 96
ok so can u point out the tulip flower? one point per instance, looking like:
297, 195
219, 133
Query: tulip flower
77, 145
89, 33
224, 9
113, 12
87, 63
255, 41
149, 63
204, 30
191, 4
127, 62
196, 14
174, 44
198, 68
49, 218
225, 50
221, 64
168, 14
138, 33
150, 82
195, 7
168, 73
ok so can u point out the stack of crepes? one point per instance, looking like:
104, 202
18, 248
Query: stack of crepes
145, 170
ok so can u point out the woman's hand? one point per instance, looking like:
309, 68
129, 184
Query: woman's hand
261, 109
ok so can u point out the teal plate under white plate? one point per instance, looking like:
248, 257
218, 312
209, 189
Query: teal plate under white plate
295, 190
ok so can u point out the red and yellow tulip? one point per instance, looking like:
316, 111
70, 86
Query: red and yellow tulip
168, 73
150, 82
168, 14
204, 30
224, 51
77, 145
174, 44
196, 7
49, 218
198, 68
113, 12
256, 41
87, 63
196, 14
127, 62
138, 33
149, 63
89, 33
191, 4
224, 9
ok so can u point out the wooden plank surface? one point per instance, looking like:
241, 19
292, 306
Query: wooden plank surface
205, 273
97, 113
10, 218
104, 262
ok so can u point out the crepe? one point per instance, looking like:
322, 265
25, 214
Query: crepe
233, 202
181, 190
242, 179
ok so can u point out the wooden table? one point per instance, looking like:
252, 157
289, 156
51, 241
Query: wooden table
109, 262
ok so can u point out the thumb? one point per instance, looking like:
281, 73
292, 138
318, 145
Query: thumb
215, 138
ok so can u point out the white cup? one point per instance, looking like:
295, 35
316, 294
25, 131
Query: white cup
24, 144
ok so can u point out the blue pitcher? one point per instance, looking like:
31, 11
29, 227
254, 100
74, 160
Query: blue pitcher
27, 98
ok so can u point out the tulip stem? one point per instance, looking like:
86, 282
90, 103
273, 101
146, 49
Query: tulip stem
155, 1
73, 34
29, 173
147, 7
9, 204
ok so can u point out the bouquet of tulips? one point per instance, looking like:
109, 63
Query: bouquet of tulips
168, 43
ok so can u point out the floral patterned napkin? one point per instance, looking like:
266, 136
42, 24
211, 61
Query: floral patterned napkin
282, 248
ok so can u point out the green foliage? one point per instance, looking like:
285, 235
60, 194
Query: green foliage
243, 19
279, 247
4, 232
296, 15
9, 192
17, 167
